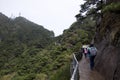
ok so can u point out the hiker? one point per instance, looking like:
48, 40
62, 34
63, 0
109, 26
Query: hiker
92, 51
85, 52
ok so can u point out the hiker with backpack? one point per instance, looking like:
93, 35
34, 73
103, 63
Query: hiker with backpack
92, 51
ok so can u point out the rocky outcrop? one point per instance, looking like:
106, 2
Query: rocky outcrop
107, 40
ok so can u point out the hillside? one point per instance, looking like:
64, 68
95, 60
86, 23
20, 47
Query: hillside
22, 30
28, 51
79, 33
22, 43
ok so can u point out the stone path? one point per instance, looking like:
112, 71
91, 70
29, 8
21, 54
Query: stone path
86, 73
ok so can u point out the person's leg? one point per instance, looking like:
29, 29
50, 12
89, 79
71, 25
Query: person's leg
91, 62
85, 55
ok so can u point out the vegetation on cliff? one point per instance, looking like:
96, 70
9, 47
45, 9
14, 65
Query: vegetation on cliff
112, 7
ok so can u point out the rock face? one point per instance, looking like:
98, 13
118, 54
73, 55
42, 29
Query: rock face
107, 40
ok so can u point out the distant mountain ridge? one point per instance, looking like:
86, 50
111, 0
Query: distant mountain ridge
22, 30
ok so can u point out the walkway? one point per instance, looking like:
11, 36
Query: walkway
86, 73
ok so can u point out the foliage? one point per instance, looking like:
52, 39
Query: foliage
41, 77
91, 5
114, 7
8, 77
62, 74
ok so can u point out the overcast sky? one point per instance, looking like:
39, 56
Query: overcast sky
55, 15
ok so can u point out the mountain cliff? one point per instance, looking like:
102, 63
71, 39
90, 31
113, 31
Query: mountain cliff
106, 14
107, 40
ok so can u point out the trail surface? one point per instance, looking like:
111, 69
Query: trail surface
86, 73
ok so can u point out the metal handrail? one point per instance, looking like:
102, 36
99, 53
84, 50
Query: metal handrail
75, 68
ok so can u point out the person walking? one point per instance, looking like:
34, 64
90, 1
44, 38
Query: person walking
85, 52
92, 51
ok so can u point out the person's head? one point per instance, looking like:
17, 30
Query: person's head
91, 45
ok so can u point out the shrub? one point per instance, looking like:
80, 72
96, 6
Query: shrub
62, 74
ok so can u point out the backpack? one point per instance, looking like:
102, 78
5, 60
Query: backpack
93, 51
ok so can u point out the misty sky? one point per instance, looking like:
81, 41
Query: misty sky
55, 15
